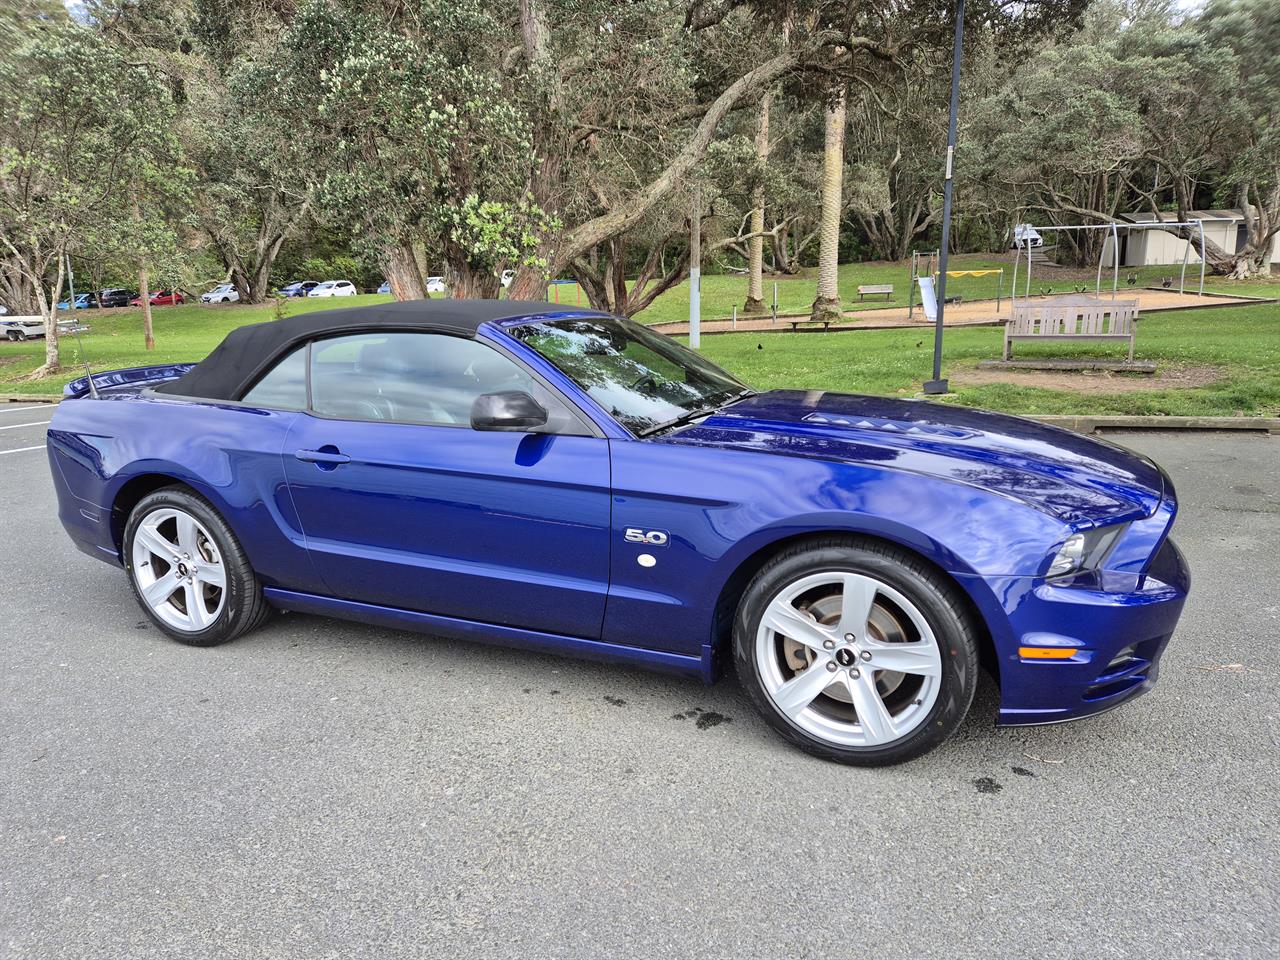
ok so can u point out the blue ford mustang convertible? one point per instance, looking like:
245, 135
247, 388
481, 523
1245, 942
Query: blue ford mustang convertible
573, 482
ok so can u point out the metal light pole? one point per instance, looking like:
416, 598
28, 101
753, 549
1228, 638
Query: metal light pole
937, 384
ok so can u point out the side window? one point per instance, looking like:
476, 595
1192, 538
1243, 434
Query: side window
410, 377
284, 386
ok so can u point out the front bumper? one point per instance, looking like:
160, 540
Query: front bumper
1119, 637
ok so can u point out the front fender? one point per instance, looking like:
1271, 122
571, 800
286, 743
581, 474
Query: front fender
722, 508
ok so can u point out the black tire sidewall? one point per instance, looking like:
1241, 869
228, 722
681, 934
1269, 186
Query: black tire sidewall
934, 597
240, 589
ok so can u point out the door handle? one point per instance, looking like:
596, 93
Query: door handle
326, 458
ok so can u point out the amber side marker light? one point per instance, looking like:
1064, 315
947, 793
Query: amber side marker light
1047, 653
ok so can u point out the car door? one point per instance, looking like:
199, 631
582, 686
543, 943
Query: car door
404, 505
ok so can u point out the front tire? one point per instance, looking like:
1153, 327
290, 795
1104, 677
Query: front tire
856, 651
188, 571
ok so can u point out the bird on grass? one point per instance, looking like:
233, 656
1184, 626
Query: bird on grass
1166, 282
1131, 279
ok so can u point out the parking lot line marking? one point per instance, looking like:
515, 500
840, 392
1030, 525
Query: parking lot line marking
38, 406
33, 423
21, 450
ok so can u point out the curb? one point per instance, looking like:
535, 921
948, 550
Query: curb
29, 398
1087, 424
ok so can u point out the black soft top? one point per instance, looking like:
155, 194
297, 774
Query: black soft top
249, 351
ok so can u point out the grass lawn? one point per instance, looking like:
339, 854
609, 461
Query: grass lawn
1243, 343
1240, 344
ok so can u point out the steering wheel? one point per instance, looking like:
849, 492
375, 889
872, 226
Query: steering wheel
648, 376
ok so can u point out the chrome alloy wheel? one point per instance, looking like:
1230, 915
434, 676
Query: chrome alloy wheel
178, 570
848, 659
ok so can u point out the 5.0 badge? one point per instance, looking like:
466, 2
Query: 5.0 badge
652, 538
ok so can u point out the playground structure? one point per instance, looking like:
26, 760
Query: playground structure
1114, 230
931, 258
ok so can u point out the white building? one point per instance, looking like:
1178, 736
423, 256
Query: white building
1147, 247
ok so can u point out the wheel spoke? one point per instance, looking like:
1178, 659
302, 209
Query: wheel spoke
161, 590
859, 593
186, 534
801, 690
153, 541
783, 618
196, 610
873, 715
920, 658
212, 574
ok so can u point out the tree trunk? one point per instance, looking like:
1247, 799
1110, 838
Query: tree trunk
465, 281
755, 263
404, 273
529, 283
606, 285
826, 306
144, 294
49, 314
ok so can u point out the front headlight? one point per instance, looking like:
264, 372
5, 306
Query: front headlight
1069, 557
1085, 550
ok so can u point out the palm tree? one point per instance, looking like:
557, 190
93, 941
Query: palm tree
755, 246
826, 306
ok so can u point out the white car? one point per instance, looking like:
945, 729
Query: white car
31, 328
334, 288
1025, 235
435, 284
22, 328
222, 293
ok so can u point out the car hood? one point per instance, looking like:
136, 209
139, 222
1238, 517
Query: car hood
1074, 478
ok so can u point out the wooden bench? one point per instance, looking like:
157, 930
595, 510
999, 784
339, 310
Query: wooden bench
795, 324
875, 289
1072, 318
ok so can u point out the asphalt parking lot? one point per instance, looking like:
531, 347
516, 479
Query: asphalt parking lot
323, 789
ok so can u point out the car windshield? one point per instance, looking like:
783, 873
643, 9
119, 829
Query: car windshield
646, 381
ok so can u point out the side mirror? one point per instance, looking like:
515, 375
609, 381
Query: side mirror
507, 410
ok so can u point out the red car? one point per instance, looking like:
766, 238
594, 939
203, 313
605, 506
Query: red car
161, 298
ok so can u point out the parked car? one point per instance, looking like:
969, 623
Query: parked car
22, 328
571, 482
117, 297
334, 288
1025, 235
83, 301
299, 288
222, 293
31, 328
161, 298
434, 285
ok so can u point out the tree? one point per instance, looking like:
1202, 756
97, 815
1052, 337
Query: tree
249, 196
1144, 112
80, 130
1250, 30
755, 259
826, 305
410, 136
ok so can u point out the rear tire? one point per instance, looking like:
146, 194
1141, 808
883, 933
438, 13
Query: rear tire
856, 651
188, 571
